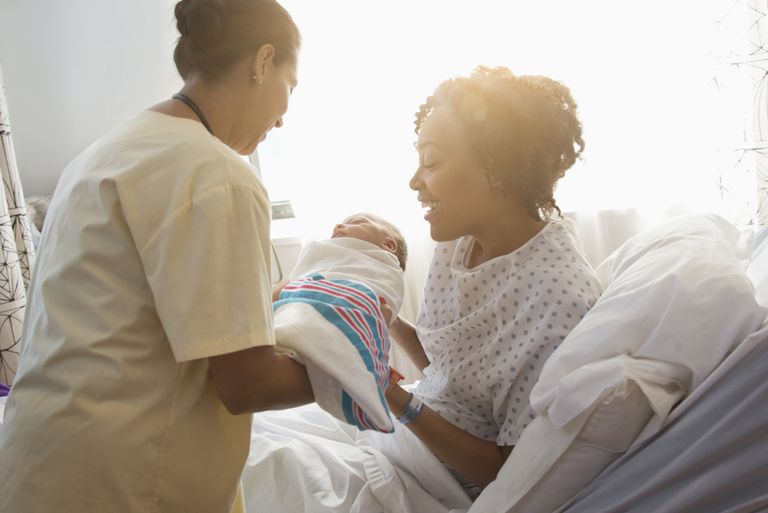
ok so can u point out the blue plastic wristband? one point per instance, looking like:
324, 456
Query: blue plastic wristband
411, 411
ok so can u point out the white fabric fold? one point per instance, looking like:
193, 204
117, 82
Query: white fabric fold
347, 258
677, 300
302, 460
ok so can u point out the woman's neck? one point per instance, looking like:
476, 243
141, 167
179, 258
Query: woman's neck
502, 239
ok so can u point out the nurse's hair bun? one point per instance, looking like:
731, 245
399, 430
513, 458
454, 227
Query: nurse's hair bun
215, 34
199, 21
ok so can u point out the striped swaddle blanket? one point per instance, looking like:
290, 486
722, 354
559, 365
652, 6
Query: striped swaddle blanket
336, 329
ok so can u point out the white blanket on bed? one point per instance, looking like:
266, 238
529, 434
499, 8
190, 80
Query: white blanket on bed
304, 461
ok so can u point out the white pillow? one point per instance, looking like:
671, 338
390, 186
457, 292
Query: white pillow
676, 301
757, 270
550, 465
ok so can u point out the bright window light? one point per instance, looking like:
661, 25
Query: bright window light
642, 75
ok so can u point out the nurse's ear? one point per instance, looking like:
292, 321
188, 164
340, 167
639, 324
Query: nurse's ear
262, 62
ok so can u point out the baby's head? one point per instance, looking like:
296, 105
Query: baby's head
372, 228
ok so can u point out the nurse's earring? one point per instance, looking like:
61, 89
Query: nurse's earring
260, 79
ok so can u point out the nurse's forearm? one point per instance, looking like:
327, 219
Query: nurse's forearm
404, 334
260, 379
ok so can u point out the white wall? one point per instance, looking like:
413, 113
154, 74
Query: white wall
75, 68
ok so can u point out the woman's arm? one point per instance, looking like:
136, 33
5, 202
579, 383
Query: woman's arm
476, 459
405, 335
259, 379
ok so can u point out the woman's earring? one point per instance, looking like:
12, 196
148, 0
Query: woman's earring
261, 79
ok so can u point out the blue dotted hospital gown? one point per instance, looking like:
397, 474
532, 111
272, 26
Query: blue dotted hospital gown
488, 330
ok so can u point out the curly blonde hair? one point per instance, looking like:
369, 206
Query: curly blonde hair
524, 130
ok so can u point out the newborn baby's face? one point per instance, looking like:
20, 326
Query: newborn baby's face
363, 228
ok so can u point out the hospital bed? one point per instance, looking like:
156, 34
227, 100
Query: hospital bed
710, 452
704, 450
642, 408
712, 456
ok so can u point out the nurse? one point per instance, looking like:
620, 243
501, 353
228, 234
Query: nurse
148, 338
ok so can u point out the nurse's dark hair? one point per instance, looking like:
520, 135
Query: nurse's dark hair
217, 33
524, 130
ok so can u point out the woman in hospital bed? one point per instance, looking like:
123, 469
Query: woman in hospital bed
507, 283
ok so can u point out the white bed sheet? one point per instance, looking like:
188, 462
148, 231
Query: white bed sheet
304, 461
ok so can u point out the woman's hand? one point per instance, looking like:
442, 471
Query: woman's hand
397, 398
404, 334
476, 459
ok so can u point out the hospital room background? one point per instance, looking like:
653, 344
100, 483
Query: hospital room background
670, 94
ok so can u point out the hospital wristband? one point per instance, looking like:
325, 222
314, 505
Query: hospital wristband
411, 410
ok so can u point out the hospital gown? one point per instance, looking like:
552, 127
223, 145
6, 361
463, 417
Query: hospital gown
488, 330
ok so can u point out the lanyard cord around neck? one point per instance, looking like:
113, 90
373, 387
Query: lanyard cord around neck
192, 105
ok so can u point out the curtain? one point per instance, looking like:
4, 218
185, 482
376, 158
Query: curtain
17, 252
741, 78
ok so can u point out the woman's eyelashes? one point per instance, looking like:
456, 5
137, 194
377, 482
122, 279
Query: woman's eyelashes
429, 159
428, 163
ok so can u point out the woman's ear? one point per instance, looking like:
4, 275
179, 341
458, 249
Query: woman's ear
262, 62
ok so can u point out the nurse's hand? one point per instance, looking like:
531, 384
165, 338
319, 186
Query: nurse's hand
277, 288
385, 311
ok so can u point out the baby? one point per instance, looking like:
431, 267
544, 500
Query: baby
334, 315
361, 248
377, 231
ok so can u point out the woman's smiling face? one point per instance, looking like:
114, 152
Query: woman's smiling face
450, 181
